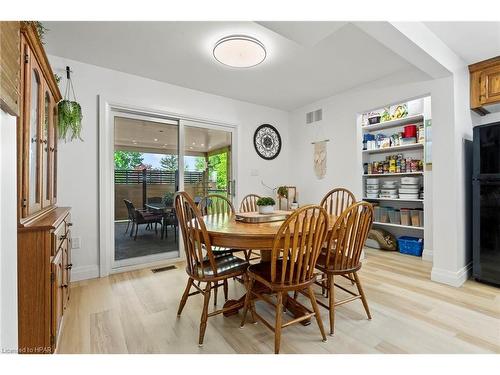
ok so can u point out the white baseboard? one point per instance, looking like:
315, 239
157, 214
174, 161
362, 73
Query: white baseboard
455, 279
427, 255
85, 272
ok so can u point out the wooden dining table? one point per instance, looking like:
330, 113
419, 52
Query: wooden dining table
225, 231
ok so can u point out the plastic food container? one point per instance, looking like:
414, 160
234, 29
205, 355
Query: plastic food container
374, 120
410, 131
395, 217
415, 218
408, 191
384, 215
376, 213
405, 216
410, 180
372, 181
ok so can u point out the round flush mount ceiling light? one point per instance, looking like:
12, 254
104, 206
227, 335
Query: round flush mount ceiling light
239, 51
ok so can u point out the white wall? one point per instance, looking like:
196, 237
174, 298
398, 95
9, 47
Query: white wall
78, 161
8, 233
345, 163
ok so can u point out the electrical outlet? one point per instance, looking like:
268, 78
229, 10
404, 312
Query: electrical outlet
76, 242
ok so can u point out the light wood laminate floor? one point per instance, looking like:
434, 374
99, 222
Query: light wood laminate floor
135, 312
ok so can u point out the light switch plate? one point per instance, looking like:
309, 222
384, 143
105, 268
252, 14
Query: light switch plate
75, 242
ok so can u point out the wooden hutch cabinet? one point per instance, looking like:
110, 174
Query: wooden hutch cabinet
44, 236
485, 85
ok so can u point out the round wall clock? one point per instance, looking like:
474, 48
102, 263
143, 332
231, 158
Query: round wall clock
267, 141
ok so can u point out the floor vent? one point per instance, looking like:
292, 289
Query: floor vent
162, 269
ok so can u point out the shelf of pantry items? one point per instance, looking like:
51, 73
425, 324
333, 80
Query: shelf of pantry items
394, 148
393, 199
398, 225
393, 123
392, 174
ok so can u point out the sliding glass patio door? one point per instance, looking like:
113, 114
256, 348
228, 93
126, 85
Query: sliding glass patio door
153, 158
146, 177
208, 160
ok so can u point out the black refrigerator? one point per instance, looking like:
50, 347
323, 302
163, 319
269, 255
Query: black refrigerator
486, 203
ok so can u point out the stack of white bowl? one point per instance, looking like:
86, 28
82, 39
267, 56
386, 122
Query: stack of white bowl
409, 188
372, 188
389, 190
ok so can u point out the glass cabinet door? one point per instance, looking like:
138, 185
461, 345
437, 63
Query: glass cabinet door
53, 149
46, 170
34, 141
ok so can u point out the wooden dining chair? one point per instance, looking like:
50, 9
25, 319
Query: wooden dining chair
342, 256
249, 204
337, 200
296, 248
202, 264
215, 204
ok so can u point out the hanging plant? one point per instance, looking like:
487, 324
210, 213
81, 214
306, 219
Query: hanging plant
70, 114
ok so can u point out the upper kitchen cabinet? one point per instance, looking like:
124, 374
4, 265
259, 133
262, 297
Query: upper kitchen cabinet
9, 67
485, 86
37, 123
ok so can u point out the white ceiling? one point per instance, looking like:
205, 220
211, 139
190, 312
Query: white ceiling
163, 137
306, 61
472, 41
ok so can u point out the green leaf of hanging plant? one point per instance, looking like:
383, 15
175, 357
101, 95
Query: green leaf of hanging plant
70, 120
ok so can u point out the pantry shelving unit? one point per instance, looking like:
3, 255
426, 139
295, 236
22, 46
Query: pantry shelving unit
393, 199
413, 150
409, 227
396, 149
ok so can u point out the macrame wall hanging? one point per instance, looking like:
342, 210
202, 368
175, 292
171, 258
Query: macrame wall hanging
320, 152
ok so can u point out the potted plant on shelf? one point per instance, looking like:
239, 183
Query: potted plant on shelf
282, 194
266, 205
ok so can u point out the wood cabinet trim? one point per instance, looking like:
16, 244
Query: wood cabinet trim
48, 221
484, 64
29, 30
480, 97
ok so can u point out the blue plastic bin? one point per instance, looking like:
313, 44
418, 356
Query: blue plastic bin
411, 245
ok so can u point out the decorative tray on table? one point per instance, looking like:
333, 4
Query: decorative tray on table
255, 217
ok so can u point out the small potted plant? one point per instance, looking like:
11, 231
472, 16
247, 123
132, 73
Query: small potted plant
266, 205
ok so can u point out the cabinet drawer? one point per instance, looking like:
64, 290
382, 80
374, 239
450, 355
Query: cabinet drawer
68, 223
58, 237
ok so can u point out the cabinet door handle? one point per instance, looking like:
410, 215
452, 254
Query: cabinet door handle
62, 237
70, 224
69, 266
34, 140
64, 286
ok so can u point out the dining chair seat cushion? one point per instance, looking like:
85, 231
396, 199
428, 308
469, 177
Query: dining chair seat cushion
321, 265
226, 264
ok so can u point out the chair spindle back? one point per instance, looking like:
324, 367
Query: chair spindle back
214, 204
298, 244
195, 236
249, 203
348, 236
337, 200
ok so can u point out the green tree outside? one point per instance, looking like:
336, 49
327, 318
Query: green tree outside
127, 159
218, 163
169, 162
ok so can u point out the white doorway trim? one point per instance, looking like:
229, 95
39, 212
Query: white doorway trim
107, 109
